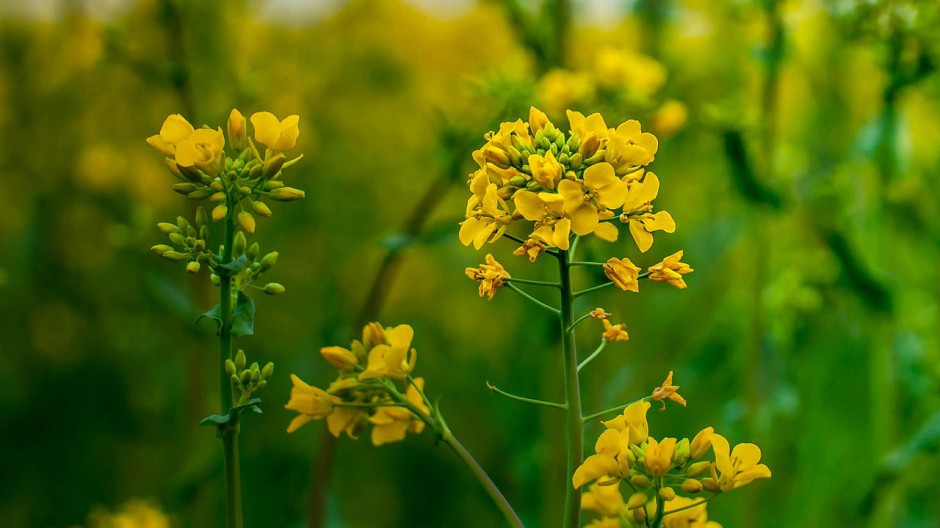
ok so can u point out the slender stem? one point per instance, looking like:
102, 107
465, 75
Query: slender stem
484, 479
573, 248
493, 388
534, 282
578, 321
229, 433
591, 289
597, 415
585, 263
521, 241
593, 355
516, 289
575, 425
690, 506
660, 511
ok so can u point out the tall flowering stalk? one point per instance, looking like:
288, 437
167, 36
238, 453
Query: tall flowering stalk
236, 179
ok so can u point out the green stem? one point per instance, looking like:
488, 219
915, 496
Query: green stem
484, 479
575, 425
591, 289
583, 263
537, 302
229, 433
523, 399
598, 414
534, 282
593, 355
578, 321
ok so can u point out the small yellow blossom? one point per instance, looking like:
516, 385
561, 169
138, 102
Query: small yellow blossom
637, 211
611, 459
599, 313
537, 119
174, 130
668, 390
545, 170
669, 118
559, 89
547, 211
629, 148
312, 403
275, 134
487, 213
392, 423
135, 513
605, 500
600, 190
620, 69
739, 467
670, 270
614, 332
634, 420
340, 357
393, 359
202, 150
658, 458
237, 130
491, 275
531, 247
623, 273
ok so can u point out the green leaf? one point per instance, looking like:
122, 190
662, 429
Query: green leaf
243, 319
219, 420
235, 266
214, 313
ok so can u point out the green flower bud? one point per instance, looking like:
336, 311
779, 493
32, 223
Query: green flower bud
575, 161
261, 209
241, 243
272, 184
167, 228
230, 367
286, 194
274, 288
201, 218
262, 384
253, 251
184, 188
246, 377
255, 171
217, 197
177, 239
269, 260
667, 493
240, 359
268, 370
640, 481
215, 279
193, 267
691, 486
273, 165
216, 186
160, 249
681, 454
201, 194
517, 181
175, 256
236, 380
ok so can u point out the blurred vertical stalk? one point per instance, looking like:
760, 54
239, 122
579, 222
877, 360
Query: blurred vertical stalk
229, 432
574, 422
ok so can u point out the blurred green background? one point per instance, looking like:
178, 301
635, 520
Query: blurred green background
799, 155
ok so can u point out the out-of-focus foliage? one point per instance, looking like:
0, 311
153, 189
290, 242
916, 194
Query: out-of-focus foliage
803, 179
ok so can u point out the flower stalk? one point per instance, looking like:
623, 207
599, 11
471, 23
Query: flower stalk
575, 424
228, 432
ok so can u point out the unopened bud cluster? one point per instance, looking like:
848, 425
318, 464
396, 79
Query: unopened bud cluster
246, 380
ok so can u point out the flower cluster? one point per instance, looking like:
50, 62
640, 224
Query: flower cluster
374, 387
561, 185
658, 471
491, 275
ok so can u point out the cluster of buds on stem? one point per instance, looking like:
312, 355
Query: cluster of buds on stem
247, 380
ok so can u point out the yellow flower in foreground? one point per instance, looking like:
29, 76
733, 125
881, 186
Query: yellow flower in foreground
623, 273
670, 270
701, 443
614, 332
658, 458
547, 211
606, 522
601, 190
394, 359
740, 467
275, 134
340, 357
491, 276
605, 500
532, 247
611, 459
545, 169
668, 390
312, 403
629, 148
637, 211
487, 213
391, 424
694, 517
175, 129
202, 150
633, 419
135, 513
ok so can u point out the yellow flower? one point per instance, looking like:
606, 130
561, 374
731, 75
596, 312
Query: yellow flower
391, 424
545, 169
623, 273
174, 130
740, 467
629, 148
135, 513
605, 500
668, 390
620, 69
614, 332
237, 130
202, 150
560, 89
531, 247
487, 213
670, 270
277, 135
547, 211
634, 420
491, 276
312, 403
693, 517
669, 118
601, 190
395, 358
605, 522
701, 443
537, 119
611, 459
599, 313
340, 357
658, 458
637, 210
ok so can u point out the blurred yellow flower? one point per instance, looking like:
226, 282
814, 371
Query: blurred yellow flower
614, 332
560, 89
312, 403
277, 135
491, 275
392, 423
394, 359
669, 118
135, 513
623, 273
605, 500
670, 271
625, 70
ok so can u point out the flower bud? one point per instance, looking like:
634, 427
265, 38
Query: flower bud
229, 367
274, 288
219, 212
517, 181
177, 239
273, 165
269, 260
261, 209
709, 484
253, 251
698, 468
241, 243
200, 194
636, 500
201, 218
667, 493
193, 267
217, 197
167, 228
272, 184
640, 481
160, 249
691, 486
216, 186
175, 256
247, 221
286, 194
215, 279
240, 359
681, 455
237, 130
268, 370
184, 188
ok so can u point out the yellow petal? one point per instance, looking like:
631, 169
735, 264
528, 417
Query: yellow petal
583, 219
298, 422
529, 205
642, 238
267, 128
561, 234
594, 467
607, 231
175, 129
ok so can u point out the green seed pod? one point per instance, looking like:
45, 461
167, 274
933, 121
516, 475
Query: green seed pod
269, 260
274, 288
240, 359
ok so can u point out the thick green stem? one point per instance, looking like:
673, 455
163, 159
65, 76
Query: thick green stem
229, 433
575, 425
484, 479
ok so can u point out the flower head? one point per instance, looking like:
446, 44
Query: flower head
531, 247
312, 403
670, 271
623, 273
659, 455
275, 134
614, 332
491, 275
174, 130
202, 150
394, 358
738, 468
668, 390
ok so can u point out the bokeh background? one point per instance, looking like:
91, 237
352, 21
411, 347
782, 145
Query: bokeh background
798, 153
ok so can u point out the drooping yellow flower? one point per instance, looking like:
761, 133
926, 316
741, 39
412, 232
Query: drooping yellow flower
492, 276
692, 517
599, 313
202, 150
391, 424
174, 130
545, 169
277, 135
547, 211
658, 458
531, 247
614, 332
487, 214
623, 273
394, 359
312, 403
670, 271
634, 420
739, 467
637, 211
605, 500
668, 390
